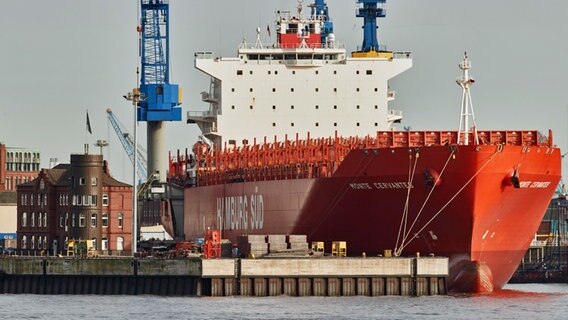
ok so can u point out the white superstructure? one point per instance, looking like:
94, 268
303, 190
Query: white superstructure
296, 86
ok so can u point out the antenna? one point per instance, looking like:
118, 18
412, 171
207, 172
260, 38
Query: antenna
465, 82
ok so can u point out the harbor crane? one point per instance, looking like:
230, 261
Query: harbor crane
128, 145
160, 99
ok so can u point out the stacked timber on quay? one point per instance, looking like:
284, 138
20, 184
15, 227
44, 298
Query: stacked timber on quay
324, 276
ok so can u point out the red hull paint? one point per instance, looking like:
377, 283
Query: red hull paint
477, 217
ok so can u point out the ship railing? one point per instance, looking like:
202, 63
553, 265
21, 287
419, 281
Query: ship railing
538, 243
203, 54
319, 45
402, 55
201, 114
395, 113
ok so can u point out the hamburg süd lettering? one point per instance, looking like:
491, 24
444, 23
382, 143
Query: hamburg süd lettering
244, 212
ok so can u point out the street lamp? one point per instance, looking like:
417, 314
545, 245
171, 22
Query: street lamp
135, 96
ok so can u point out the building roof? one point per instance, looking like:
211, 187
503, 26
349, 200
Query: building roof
112, 182
58, 174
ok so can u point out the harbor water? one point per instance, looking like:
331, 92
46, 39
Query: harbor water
517, 301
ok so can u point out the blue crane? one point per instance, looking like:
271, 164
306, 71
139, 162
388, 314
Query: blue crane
128, 146
370, 11
319, 8
161, 99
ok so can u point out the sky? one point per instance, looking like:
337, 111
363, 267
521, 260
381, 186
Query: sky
61, 58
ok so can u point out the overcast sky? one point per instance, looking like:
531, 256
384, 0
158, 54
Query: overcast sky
62, 57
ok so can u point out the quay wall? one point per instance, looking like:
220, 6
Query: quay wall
225, 277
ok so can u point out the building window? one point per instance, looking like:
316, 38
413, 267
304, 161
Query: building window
292, 107
357, 123
105, 199
273, 89
32, 223
119, 243
317, 124
81, 219
273, 107
232, 89
274, 124
357, 72
105, 220
104, 244
293, 71
32, 243
93, 181
61, 219
335, 107
45, 219
376, 89
40, 219
357, 89
250, 72
317, 107
376, 124
334, 71
334, 89
376, 107
73, 220
239, 72
250, 89
291, 89
335, 124
24, 243
292, 124
233, 107
369, 72
82, 181
358, 107
94, 243
120, 218
93, 220
24, 221
86, 200
94, 200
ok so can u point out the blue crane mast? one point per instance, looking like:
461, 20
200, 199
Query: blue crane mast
161, 99
370, 11
319, 8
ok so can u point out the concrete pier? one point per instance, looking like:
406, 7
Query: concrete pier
322, 276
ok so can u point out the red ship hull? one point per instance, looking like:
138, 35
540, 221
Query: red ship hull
479, 205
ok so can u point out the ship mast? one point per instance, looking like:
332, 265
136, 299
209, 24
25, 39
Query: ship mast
465, 83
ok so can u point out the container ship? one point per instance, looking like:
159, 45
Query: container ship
299, 139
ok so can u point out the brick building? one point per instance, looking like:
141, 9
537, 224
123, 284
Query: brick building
75, 201
17, 165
